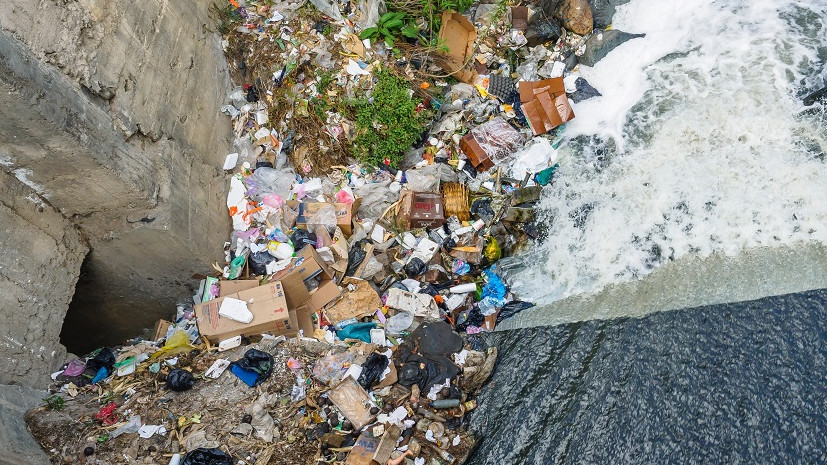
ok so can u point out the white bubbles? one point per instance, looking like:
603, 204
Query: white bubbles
705, 150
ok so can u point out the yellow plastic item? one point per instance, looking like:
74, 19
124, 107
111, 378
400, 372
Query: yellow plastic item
176, 342
492, 250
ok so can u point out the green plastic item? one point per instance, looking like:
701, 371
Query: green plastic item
236, 266
544, 177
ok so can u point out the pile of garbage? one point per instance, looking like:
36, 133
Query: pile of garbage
386, 173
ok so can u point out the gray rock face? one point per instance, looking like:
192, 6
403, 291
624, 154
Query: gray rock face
601, 43
109, 111
39, 264
17, 447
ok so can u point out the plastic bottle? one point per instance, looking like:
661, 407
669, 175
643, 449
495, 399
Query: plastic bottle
445, 403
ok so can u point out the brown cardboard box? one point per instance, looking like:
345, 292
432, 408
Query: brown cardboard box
234, 286
476, 155
308, 265
421, 209
491, 143
369, 450
458, 35
268, 306
344, 213
353, 401
526, 88
519, 18
161, 328
304, 318
545, 104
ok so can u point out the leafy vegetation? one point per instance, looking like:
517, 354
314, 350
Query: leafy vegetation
388, 123
55, 402
431, 11
390, 26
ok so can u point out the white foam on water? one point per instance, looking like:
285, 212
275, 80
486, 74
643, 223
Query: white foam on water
708, 153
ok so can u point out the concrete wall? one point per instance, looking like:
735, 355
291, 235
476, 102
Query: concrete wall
39, 265
110, 110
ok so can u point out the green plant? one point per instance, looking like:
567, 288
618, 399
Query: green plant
55, 402
431, 11
389, 26
388, 123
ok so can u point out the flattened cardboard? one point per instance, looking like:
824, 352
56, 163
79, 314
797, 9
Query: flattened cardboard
268, 306
545, 104
234, 286
305, 266
361, 302
353, 401
369, 450
458, 35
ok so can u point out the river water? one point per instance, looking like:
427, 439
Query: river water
699, 177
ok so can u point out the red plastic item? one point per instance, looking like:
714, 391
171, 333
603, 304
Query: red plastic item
106, 415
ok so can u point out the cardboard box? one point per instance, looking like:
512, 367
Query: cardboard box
421, 210
344, 213
161, 328
267, 304
369, 450
545, 104
519, 18
490, 143
234, 286
304, 318
458, 35
307, 266
353, 401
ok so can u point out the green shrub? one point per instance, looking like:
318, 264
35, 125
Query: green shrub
388, 123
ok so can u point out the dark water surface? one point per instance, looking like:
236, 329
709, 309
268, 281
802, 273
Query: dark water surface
734, 383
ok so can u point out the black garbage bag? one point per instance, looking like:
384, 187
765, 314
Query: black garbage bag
470, 317
372, 370
435, 338
482, 208
415, 267
258, 262
180, 380
512, 308
105, 358
355, 256
202, 456
584, 91
257, 363
426, 371
302, 238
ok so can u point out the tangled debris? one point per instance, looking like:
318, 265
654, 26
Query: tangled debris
388, 159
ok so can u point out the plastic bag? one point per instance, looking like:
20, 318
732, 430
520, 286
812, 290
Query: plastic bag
398, 323
470, 317
255, 367
258, 263
301, 238
179, 380
266, 181
497, 139
202, 456
355, 257
415, 267
105, 358
328, 8
482, 209
132, 426
492, 251
376, 198
512, 308
419, 181
325, 216
426, 371
331, 368
372, 370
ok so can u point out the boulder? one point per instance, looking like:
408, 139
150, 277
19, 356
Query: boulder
600, 44
602, 13
575, 16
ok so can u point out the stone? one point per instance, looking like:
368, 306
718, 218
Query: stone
600, 44
18, 445
575, 16
602, 13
